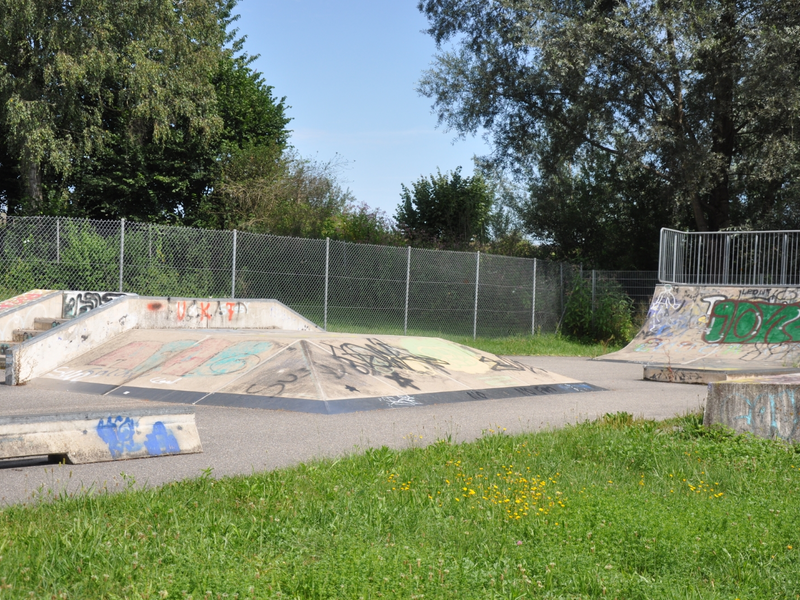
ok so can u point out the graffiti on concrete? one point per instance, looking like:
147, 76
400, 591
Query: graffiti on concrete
376, 357
174, 360
769, 414
17, 301
77, 303
161, 441
120, 433
497, 363
191, 311
664, 314
751, 321
399, 401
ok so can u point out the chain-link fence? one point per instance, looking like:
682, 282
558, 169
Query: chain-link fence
340, 286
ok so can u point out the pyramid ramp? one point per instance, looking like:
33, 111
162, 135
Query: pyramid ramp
298, 371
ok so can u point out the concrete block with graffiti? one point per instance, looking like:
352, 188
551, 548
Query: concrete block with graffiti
768, 407
219, 313
97, 437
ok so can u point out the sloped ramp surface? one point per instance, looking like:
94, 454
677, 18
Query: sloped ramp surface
308, 371
723, 329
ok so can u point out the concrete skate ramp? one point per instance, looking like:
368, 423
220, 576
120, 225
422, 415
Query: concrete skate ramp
299, 371
694, 331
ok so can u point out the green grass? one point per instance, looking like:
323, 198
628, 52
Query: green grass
616, 508
539, 345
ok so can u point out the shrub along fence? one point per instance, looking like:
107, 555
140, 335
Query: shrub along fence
338, 285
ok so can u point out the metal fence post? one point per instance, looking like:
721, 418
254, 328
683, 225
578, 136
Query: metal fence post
594, 292
755, 262
784, 258
477, 279
58, 240
327, 264
408, 282
726, 263
121, 252
233, 270
561, 308
533, 301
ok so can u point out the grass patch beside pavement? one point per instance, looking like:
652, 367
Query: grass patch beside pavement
535, 345
615, 508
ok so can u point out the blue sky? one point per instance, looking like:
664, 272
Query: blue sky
349, 70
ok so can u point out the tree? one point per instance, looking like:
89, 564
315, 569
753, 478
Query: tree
265, 189
170, 180
598, 215
78, 78
702, 98
446, 209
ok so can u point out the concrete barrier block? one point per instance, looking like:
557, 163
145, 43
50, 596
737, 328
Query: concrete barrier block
768, 407
98, 437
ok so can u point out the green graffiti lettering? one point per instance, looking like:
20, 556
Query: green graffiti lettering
748, 322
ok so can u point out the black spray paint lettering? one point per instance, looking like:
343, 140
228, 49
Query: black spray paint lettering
82, 302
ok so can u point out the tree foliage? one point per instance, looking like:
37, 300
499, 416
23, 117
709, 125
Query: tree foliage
169, 180
78, 77
446, 209
126, 108
699, 100
265, 189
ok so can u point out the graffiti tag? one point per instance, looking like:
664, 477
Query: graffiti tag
21, 299
397, 401
82, 302
118, 434
751, 322
161, 441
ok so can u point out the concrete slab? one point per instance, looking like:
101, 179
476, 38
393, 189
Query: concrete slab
709, 374
306, 371
93, 436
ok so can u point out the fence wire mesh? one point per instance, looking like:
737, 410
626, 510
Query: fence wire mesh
340, 286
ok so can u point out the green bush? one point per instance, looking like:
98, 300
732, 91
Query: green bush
607, 319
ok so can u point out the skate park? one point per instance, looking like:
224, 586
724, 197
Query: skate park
237, 385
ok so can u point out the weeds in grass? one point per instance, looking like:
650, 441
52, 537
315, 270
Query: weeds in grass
619, 507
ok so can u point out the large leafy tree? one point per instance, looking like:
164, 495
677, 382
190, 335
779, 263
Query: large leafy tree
113, 98
167, 180
447, 209
702, 98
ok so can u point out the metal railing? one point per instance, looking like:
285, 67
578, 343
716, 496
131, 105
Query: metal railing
740, 258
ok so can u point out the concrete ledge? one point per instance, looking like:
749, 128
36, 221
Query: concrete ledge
98, 437
218, 313
768, 407
46, 351
704, 375
19, 312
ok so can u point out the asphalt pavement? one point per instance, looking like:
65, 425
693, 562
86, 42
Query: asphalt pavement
240, 441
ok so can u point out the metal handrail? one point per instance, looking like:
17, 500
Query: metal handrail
730, 258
